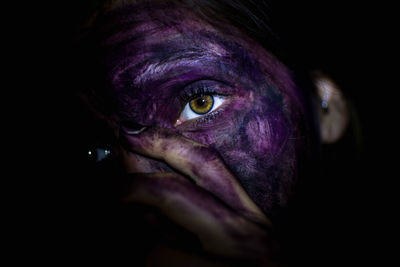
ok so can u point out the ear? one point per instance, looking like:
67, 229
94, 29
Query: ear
333, 108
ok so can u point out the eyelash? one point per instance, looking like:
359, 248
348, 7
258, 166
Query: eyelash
196, 92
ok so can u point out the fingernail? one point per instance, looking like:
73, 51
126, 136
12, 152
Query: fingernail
131, 127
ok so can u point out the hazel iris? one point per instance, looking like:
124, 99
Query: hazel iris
202, 104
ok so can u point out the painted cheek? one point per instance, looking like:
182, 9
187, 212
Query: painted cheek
267, 135
258, 133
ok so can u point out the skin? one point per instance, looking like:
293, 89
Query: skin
215, 207
235, 168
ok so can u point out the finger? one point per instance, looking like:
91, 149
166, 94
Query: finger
197, 161
220, 230
135, 163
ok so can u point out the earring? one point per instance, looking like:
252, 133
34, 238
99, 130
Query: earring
325, 92
324, 106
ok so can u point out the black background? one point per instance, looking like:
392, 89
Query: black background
350, 222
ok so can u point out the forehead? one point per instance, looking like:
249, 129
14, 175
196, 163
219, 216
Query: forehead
136, 29
147, 24
137, 33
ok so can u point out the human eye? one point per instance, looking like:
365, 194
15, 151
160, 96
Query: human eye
201, 101
200, 106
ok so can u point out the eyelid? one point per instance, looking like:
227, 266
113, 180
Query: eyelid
204, 86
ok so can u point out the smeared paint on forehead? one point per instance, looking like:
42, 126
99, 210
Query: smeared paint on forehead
175, 29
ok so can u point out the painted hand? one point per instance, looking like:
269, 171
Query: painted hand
200, 194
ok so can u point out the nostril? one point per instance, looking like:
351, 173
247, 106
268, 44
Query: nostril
131, 127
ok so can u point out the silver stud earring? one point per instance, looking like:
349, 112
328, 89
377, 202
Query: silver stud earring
324, 105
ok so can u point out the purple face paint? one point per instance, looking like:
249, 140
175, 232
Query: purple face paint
155, 57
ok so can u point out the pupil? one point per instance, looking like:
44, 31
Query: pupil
201, 101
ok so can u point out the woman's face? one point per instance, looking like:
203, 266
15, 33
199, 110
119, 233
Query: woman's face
168, 68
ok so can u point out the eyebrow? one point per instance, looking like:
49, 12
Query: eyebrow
175, 59
165, 56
